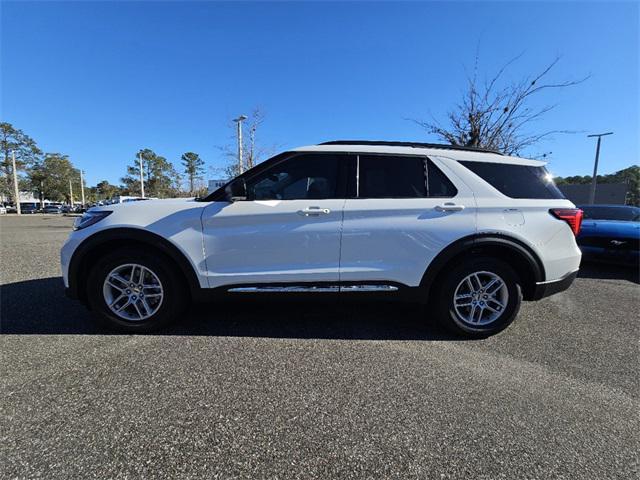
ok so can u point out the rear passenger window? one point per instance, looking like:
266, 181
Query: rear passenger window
390, 176
438, 185
517, 181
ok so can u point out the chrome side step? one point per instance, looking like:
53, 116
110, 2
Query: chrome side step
368, 288
289, 289
315, 289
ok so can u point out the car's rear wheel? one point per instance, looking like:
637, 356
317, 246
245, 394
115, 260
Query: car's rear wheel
479, 297
132, 291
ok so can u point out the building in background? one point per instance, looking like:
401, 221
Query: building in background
216, 184
606, 193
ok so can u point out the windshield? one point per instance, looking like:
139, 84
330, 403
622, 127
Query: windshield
624, 214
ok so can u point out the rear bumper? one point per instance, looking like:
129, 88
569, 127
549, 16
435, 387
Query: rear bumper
546, 289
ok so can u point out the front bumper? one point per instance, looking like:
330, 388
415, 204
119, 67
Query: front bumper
546, 289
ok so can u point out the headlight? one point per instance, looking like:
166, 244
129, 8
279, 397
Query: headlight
89, 218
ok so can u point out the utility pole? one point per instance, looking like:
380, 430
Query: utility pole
141, 175
16, 191
70, 195
594, 180
239, 121
82, 187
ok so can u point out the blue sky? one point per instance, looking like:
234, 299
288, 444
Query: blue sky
98, 81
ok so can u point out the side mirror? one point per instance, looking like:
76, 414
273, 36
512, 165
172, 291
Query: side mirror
236, 190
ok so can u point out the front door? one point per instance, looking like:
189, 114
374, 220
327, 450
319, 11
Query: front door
287, 231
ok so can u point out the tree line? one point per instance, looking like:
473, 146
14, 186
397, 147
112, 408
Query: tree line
53, 176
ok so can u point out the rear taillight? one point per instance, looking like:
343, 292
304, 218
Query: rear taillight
573, 216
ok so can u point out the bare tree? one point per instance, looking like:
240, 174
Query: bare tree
499, 117
253, 151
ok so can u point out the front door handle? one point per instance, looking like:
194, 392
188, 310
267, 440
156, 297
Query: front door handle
314, 211
449, 207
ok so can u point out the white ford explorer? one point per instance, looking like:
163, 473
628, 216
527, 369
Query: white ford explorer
467, 233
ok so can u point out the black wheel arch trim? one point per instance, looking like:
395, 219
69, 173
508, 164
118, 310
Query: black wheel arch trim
475, 242
100, 239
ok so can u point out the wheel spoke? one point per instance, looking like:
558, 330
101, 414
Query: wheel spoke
497, 285
133, 272
464, 296
118, 278
113, 304
472, 313
141, 276
113, 285
122, 307
135, 305
470, 285
490, 308
147, 308
490, 284
495, 300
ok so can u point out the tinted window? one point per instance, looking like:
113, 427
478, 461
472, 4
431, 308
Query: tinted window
625, 214
517, 181
438, 184
387, 176
312, 177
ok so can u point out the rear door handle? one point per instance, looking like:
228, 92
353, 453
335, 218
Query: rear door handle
314, 212
449, 207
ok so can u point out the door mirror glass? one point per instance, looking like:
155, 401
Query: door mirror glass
236, 190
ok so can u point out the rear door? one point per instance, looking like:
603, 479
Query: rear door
404, 211
286, 231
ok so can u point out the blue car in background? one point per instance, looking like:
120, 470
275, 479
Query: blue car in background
610, 233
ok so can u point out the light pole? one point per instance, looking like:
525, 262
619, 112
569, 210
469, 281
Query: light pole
239, 121
16, 191
82, 187
594, 180
141, 175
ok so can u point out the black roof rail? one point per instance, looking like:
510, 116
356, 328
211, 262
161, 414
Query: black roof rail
411, 144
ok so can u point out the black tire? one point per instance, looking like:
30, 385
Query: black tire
452, 318
174, 293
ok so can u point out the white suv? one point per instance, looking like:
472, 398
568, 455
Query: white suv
468, 233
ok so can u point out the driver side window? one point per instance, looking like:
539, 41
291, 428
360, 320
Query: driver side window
303, 177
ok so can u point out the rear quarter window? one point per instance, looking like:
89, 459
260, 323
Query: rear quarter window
517, 181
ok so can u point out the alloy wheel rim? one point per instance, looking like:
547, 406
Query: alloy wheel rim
133, 292
480, 298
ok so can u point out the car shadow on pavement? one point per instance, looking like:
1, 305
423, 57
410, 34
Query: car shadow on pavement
40, 307
605, 271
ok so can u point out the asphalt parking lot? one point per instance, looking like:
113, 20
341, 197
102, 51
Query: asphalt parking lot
312, 390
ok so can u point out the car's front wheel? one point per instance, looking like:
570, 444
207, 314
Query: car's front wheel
479, 297
132, 291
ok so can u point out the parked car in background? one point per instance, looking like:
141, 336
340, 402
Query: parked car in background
3, 210
467, 232
55, 208
73, 208
611, 233
29, 207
